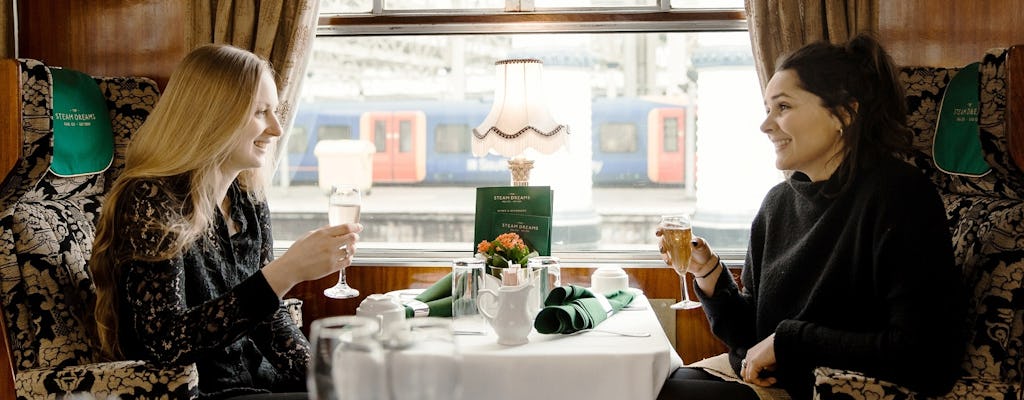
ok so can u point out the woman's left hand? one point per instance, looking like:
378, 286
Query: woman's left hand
757, 368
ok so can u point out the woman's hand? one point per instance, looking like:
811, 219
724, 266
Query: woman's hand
313, 256
757, 368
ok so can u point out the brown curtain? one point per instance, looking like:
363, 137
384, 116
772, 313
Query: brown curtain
778, 27
281, 31
7, 29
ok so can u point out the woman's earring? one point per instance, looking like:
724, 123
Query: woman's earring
840, 132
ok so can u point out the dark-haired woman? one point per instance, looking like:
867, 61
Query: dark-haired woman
850, 263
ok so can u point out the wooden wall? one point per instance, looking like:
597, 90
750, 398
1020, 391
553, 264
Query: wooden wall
105, 37
948, 33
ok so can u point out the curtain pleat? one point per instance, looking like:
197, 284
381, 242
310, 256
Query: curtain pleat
778, 27
6, 29
280, 31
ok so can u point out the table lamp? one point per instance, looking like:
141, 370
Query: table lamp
519, 119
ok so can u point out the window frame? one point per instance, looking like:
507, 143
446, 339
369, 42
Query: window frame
640, 19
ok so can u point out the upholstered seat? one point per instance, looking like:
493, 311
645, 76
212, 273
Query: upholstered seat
986, 217
45, 242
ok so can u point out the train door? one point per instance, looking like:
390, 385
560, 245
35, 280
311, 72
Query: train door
666, 129
399, 138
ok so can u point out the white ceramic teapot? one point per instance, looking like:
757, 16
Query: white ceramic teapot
513, 319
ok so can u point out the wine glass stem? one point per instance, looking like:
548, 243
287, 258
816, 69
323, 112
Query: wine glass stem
685, 287
341, 277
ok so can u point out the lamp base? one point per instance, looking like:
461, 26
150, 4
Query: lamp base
520, 168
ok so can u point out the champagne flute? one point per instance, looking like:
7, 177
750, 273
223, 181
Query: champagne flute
677, 233
343, 208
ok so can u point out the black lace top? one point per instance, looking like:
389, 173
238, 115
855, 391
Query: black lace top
211, 305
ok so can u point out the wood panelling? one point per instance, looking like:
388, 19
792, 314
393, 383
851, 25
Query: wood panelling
693, 338
10, 115
948, 33
105, 37
1015, 104
10, 148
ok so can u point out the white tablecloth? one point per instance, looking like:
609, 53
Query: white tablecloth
589, 366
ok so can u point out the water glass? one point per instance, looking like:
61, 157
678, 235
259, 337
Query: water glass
347, 360
467, 278
551, 274
423, 361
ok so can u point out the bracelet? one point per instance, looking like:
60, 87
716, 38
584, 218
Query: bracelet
713, 269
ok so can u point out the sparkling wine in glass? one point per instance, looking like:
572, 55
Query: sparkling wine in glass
677, 233
343, 208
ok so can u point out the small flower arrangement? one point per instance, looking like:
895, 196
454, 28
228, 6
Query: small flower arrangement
507, 248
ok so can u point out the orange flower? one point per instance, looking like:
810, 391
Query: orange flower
483, 247
505, 249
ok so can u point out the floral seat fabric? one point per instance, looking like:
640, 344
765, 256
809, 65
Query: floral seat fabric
986, 217
45, 242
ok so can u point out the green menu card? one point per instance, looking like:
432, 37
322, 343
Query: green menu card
525, 210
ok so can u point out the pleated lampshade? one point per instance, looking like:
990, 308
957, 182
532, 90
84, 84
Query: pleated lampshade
519, 118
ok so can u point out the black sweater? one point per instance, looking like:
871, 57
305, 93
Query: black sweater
863, 281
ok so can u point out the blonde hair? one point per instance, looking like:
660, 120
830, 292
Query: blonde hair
190, 133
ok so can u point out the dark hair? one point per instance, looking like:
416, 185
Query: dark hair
856, 79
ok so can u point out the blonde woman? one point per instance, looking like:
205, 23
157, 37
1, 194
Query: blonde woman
183, 258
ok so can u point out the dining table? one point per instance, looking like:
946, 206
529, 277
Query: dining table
598, 364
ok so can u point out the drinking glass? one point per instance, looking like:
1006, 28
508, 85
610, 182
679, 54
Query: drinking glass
347, 361
677, 233
343, 208
423, 361
551, 275
467, 278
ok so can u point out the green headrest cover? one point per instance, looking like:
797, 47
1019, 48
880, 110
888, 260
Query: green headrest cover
956, 147
83, 140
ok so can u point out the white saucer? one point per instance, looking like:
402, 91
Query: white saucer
636, 291
405, 294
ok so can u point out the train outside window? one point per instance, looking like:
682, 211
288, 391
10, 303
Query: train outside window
660, 122
334, 132
618, 137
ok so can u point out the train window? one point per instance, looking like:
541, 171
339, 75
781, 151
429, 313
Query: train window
627, 85
670, 131
452, 138
617, 137
334, 132
405, 136
380, 135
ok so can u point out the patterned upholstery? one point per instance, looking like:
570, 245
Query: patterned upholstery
46, 238
986, 217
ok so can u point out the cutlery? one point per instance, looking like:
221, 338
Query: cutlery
620, 333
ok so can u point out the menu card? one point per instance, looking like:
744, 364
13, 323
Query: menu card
525, 210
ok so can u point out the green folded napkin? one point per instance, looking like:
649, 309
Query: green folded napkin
437, 298
568, 309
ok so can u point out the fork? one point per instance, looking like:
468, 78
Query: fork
620, 333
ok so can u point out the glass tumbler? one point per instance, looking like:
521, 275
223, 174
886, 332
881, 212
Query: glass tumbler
347, 360
467, 278
551, 274
423, 361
